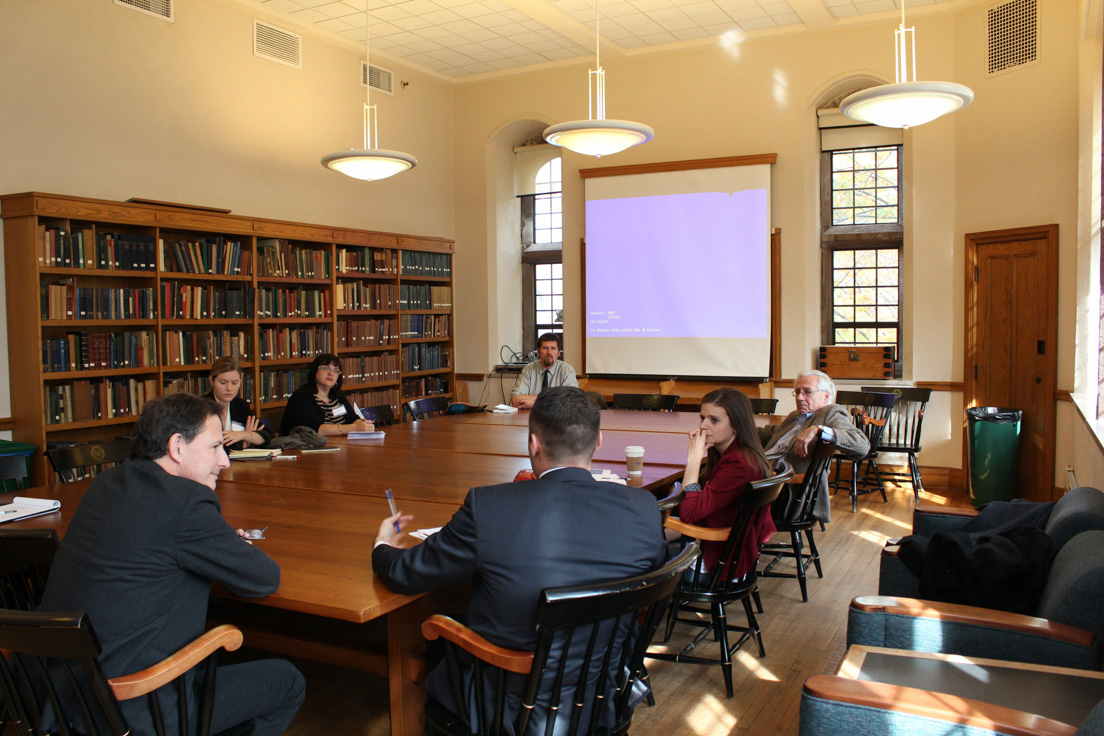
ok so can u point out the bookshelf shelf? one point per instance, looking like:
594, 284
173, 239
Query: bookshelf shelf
98, 373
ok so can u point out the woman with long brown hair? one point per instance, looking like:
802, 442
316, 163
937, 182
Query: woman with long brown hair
727, 438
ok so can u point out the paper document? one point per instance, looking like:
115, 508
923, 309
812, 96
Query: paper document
425, 533
254, 453
356, 410
504, 409
606, 475
377, 435
309, 450
24, 508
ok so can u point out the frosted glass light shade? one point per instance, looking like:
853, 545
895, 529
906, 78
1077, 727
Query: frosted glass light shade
370, 164
598, 137
906, 104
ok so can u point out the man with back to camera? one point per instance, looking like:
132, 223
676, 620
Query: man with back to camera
139, 557
547, 371
515, 539
816, 416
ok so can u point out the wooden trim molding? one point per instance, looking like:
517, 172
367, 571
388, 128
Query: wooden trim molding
471, 377
700, 163
941, 385
6, 424
1063, 395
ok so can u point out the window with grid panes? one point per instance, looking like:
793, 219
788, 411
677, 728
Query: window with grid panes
548, 205
541, 258
548, 288
862, 241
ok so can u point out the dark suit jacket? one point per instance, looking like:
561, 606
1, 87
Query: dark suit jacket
850, 441
139, 558
515, 539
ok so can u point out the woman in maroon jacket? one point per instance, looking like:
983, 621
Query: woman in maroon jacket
734, 458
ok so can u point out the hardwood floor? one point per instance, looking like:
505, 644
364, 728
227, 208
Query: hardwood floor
801, 639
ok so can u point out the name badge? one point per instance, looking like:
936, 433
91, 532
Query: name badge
237, 427
339, 411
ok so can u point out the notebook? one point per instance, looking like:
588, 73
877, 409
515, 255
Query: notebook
25, 508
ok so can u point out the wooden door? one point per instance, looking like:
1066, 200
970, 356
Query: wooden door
1011, 340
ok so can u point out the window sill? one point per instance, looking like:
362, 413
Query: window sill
1086, 409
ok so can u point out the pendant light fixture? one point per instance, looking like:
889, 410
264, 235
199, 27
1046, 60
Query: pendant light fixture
369, 163
908, 102
597, 136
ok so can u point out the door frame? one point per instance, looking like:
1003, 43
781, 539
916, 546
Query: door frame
1049, 234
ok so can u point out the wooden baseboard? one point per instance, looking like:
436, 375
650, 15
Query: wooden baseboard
953, 479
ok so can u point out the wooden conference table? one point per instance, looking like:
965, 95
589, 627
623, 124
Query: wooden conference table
322, 511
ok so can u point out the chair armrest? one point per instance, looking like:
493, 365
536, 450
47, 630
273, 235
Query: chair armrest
940, 706
697, 532
975, 616
797, 480
926, 507
444, 627
128, 687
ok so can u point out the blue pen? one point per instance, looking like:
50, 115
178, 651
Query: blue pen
391, 503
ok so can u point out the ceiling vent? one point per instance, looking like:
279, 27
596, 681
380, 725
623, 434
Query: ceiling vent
379, 78
276, 44
1012, 35
162, 9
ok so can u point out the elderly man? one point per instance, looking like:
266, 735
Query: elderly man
139, 557
816, 416
547, 371
515, 539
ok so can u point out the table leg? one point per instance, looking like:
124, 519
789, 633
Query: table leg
406, 667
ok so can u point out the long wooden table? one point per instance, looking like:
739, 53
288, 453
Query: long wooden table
322, 511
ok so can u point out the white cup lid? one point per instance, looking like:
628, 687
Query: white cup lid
634, 450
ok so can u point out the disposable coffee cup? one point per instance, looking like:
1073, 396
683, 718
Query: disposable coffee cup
634, 458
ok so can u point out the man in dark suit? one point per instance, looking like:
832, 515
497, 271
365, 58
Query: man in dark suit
515, 539
139, 557
816, 417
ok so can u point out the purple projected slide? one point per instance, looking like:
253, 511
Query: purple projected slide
681, 265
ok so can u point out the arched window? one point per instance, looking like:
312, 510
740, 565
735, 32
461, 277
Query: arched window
541, 252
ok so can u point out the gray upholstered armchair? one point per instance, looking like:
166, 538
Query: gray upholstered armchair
1068, 629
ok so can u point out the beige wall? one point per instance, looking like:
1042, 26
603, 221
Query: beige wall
103, 102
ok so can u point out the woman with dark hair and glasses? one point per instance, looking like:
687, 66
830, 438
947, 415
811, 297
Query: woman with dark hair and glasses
321, 404
726, 437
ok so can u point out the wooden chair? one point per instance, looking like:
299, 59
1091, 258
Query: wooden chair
793, 515
870, 411
13, 468
671, 500
763, 406
26, 556
381, 415
49, 653
606, 626
645, 402
419, 409
902, 432
70, 462
708, 592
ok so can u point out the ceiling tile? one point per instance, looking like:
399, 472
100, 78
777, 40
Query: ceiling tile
756, 24
689, 34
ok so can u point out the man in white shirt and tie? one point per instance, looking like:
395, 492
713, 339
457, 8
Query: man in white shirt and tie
544, 372
816, 416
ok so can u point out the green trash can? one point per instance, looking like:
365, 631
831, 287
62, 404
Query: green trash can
992, 447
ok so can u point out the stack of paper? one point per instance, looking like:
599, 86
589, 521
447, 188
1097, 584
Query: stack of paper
24, 508
504, 409
377, 435
254, 453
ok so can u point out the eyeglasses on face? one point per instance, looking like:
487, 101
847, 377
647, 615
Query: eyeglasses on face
807, 392
330, 369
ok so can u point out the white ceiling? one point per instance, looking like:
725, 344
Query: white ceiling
461, 38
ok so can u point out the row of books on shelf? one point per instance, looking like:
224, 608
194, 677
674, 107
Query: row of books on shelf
88, 351
424, 296
65, 300
277, 257
376, 397
425, 356
370, 368
413, 388
86, 248
293, 342
193, 347
199, 385
366, 333
425, 325
278, 385
277, 302
358, 295
215, 255
367, 260
105, 398
187, 301
421, 263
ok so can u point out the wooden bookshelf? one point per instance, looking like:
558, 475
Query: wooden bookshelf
112, 303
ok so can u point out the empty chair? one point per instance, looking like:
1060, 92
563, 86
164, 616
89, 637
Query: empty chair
763, 406
902, 432
597, 399
13, 468
50, 652
82, 461
26, 556
607, 627
870, 410
706, 593
419, 409
793, 515
645, 402
381, 415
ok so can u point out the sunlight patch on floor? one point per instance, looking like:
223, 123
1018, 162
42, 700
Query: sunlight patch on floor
871, 536
887, 519
711, 717
754, 665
